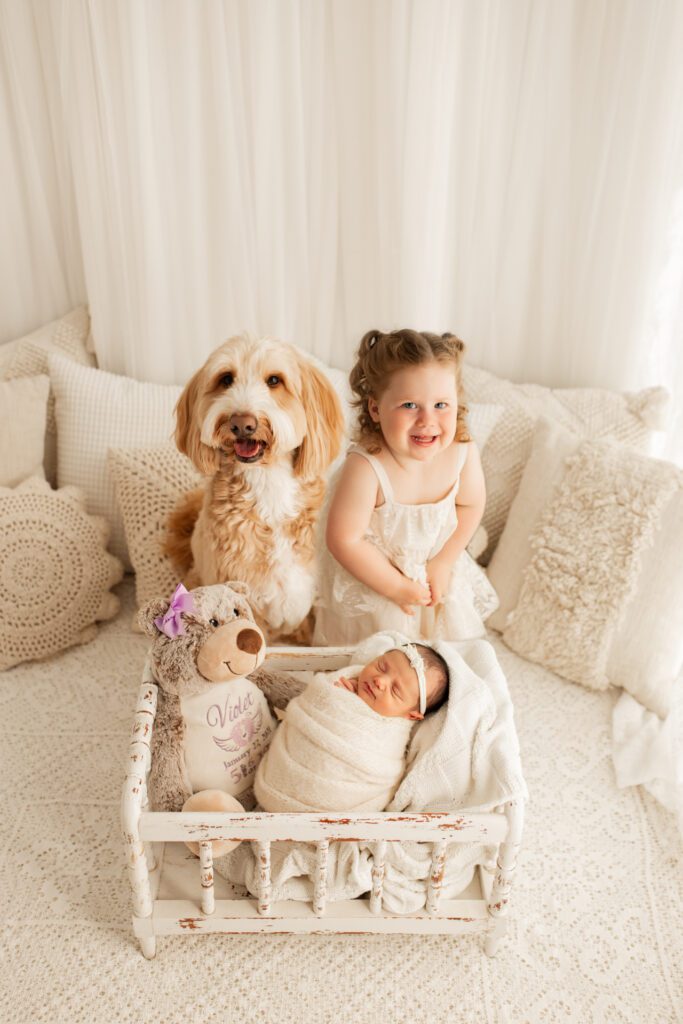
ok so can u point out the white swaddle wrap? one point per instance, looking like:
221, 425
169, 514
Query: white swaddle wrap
332, 752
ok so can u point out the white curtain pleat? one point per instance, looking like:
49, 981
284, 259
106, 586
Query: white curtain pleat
312, 168
40, 256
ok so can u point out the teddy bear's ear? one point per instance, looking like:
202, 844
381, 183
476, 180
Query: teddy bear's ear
149, 613
239, 587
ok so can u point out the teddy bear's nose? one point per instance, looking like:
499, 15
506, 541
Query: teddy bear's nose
249, 641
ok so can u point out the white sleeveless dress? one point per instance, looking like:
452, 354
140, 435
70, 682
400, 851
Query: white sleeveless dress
347, 610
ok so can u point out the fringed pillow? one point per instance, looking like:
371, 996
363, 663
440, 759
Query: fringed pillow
629, 418
55, 572
589, 569
149, 483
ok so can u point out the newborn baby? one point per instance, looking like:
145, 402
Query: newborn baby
342, 743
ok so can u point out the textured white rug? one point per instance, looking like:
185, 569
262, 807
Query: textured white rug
598, 901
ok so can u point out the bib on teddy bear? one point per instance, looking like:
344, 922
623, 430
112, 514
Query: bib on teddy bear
227, 730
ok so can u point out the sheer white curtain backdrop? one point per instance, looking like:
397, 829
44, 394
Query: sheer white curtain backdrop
510, 169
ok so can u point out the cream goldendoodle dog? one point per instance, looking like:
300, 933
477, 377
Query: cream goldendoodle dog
263, 424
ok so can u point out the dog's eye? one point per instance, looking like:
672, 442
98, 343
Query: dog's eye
237, 612
227, 380
214, 623
273, 380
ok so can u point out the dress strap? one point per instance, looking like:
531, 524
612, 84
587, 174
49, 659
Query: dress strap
380, 471
463, 449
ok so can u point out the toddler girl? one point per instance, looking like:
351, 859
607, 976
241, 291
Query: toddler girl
406, 502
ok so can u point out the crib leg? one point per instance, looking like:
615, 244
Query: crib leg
148, 945
499, 899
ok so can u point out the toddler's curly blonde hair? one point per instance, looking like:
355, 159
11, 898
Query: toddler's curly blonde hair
379, 355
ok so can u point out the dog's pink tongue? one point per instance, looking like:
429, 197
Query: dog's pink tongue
246, 449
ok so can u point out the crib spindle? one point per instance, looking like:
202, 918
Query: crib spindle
264, 883
436, 877
320, 884
206, 868
379, 856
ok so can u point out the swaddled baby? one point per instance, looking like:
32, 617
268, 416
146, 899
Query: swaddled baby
342, 743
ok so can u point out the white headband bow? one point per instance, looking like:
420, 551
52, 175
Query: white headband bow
417, 664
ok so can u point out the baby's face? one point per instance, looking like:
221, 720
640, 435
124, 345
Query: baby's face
389, 686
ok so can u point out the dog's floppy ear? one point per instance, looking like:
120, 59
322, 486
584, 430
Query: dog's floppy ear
188, 426
325, 423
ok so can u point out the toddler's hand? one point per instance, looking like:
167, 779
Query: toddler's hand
347, 684
411, 592
438, 575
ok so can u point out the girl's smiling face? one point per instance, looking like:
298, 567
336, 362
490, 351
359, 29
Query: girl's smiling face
418, 410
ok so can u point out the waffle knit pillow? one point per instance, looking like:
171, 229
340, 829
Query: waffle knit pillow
149, 482
28, 357
589, 569
97, 411
55, 572
629, 418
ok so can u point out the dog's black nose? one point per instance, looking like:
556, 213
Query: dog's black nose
242, 424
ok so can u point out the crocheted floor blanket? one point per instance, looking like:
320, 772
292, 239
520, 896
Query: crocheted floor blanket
598, 897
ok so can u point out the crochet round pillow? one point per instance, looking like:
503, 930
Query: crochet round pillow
55, 572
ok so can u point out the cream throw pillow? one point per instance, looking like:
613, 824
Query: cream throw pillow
23, 411
589, 569
149, 482
55, 572
97, 411
589, 412
27, 357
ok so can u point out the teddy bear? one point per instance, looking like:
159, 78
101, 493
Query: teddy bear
214, 717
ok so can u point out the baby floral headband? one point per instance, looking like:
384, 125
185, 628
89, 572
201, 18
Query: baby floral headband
417, 664
171, 622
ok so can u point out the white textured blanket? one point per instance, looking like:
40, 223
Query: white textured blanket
332, 753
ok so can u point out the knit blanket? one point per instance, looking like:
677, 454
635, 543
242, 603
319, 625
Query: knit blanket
332, 752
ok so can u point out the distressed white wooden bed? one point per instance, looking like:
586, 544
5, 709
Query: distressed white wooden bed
175, 894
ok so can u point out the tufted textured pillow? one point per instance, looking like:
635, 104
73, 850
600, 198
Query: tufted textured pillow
589, 569
149, 483
589, 412
55, 572
28, 357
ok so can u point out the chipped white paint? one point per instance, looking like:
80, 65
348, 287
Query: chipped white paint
426, 827
499, 900
436, 876
262, 851
379, 855
320, 881
484, 909
134, 793
206, 876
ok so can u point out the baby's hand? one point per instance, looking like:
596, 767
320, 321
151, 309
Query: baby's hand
411, 592
347, 684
